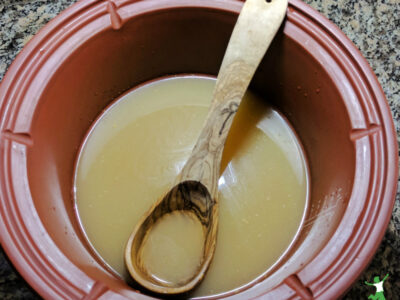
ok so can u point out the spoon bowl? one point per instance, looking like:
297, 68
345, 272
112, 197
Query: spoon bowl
186, 197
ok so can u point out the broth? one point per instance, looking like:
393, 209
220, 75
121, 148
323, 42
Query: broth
138, 146
172, 251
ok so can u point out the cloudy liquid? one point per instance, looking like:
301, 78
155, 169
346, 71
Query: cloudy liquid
139, 145
173, 249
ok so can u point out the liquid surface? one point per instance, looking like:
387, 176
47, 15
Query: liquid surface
173, 249
141, 143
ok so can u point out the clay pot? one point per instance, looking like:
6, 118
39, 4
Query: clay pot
94, 51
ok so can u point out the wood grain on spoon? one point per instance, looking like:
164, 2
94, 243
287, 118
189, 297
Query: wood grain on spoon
196, 187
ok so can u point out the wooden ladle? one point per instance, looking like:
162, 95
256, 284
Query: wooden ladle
197, 184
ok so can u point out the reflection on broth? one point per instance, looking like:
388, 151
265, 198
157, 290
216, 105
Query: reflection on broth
136, 149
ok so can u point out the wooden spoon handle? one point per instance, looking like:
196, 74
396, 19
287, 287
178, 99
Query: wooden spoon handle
254, 31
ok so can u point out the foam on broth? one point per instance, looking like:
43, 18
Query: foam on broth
138, 146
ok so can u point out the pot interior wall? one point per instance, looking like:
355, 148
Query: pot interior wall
184, 41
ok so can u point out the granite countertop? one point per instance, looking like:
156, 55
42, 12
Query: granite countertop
373, 25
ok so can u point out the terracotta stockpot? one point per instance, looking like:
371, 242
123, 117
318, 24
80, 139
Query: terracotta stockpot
96, 50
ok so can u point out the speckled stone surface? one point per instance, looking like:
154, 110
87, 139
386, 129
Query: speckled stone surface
373, 25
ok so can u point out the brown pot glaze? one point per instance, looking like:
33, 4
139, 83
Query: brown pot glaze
94, 51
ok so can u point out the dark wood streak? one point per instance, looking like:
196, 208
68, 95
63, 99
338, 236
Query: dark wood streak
189, 196
231, 111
